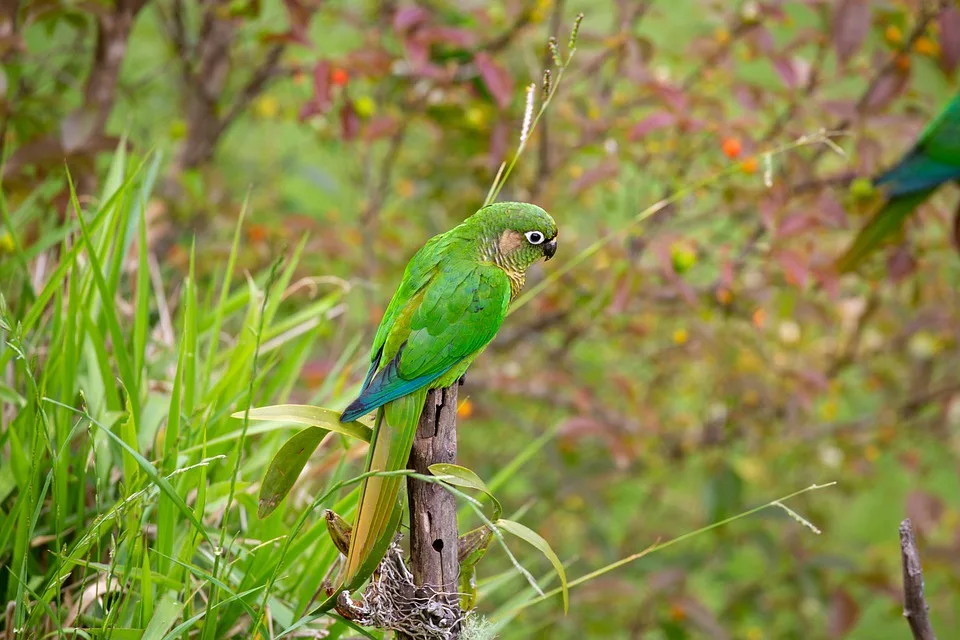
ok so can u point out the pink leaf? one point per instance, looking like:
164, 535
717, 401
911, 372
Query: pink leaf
842, 615
349, 121
795, 224
830, 212
762, 40
794, 268
786, 70
888, 87
748, 97
450, 35
320, 101
604, 170
674, 97
950, 39
659, 120
498, 142
321, 82
409, 17
380, 127
901, 264
496, 78
851, 23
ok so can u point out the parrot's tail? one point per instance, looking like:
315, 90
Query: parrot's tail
884, 222
392, 440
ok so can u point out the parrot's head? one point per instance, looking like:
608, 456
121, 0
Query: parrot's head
516, 233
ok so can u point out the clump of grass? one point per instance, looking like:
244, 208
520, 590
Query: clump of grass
126, 506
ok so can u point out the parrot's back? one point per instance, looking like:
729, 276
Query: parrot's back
452, 299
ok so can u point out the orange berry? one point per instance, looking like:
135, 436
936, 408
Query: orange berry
750, 165
339, 76
903, 62
893, 34
927, 47
732, 148
256, 233
465, 410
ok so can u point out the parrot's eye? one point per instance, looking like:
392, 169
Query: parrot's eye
534, 237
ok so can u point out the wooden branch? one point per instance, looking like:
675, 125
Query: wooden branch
433, 510
914, 605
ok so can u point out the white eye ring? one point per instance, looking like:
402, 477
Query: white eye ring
534, 237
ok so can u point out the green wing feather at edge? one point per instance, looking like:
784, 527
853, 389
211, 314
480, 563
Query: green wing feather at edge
934, 160
886, 221
431, 336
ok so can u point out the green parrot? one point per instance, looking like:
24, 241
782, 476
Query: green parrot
450, 304
933, 160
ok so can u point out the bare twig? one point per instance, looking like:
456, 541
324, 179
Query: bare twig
914, 605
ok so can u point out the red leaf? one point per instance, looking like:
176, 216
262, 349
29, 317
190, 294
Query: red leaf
450, 35
498, 142
787, 71
950, 39
320, 102
496, 78
674, 97
599, 173
851, 22
299, 15
924, 510
956, 229
749, 97
795, 224
659, 120
349, 121
762, 39
831, 212
843, 614
888, 87
794, 268
901, 264
380, 127
409, 17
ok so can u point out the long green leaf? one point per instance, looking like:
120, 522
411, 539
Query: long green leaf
166, 613
462, 477
148, 469
529, 535
286, 466
313, 417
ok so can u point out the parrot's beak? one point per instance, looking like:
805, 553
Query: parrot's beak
550, 249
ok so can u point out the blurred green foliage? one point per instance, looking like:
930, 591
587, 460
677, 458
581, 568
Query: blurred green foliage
690, 367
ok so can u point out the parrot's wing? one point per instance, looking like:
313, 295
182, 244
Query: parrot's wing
457, 314
420, 271
886, 221
917, 172
935, 159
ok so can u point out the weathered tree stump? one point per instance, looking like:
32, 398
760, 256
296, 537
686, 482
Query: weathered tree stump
433, 510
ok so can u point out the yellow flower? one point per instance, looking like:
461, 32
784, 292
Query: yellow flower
267, 107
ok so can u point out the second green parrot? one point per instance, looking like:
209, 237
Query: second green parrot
450, 304
933, 160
